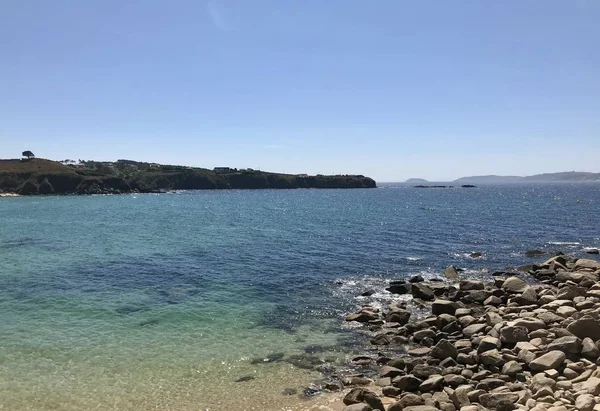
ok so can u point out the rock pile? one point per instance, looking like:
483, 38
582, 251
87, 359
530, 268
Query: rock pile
514, 343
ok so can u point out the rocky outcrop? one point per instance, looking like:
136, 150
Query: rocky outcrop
533, 342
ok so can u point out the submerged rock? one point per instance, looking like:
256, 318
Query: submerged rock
307, 362
534, 253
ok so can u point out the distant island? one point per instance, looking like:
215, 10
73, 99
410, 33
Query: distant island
32, 175
416, 181
563, 177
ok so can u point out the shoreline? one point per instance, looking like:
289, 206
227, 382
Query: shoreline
174, 191
517, 340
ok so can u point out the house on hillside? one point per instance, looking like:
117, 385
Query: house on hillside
223, 170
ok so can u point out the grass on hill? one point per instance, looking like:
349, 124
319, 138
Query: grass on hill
35, 165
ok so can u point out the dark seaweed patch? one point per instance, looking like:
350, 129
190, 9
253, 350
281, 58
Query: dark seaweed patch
245, 378
148, 323
21, 242
130, 309
271, 358
304, 361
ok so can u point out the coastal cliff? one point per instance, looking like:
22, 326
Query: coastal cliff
40, 176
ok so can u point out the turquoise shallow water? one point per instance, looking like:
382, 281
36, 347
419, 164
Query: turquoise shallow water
163, 301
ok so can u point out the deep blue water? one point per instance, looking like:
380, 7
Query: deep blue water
156, 273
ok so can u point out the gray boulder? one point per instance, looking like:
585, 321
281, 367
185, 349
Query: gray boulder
529, 296
478, 296
493, 301
497, 400
451, 274
592, 386
433, 383
585, 402
489, 343
362, 317
361, 395
492, 318
443, 320
391, 372
410, 400
589, 349
391, 391
397, 406
444, 349
514, 285
422, 334
532, 324
424, 371
513, 334
471, 285
511, 368
550, 360
407, 383
422, 291
460, 396
399, 287
398, 315
443, 307
586, 263
492, 357
585, 327
358, 407
568, 345
473, 329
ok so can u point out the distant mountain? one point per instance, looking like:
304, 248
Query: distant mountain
416, 181
565, 177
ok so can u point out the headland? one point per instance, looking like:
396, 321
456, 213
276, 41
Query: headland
41, 176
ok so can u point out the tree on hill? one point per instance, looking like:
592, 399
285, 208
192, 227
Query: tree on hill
28, 154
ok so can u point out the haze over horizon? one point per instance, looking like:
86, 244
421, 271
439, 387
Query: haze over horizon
392, 90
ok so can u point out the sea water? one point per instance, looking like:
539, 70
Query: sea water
227, 300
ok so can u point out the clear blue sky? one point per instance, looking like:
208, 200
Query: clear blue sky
391, 89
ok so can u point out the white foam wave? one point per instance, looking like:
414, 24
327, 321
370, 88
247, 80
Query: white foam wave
468, 256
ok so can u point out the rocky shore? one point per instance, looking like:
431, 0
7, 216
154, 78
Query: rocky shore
523, 340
